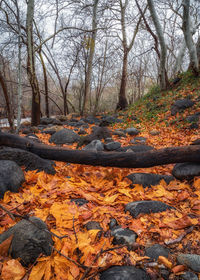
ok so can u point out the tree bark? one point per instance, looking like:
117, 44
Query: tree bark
188, 36
163, 53
113, 159
35, 113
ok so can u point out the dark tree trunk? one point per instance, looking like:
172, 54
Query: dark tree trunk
113, 159
122, 102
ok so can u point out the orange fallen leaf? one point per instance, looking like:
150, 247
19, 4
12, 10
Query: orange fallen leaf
12, 270
178, 268
5, 245
165, 261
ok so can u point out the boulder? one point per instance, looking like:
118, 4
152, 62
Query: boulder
188, 275
11, 177
124, 273
146, 207
47, 121
149, 179
132, 131
186, 171
181, 105
155, 251
112, 146
139, 140
191, 260
30, 239
64, 136
95, 145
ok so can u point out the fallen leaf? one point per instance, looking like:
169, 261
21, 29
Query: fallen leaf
13, 270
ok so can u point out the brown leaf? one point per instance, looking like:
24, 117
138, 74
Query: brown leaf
5, 245
13, 270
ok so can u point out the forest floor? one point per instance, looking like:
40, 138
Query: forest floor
107, 191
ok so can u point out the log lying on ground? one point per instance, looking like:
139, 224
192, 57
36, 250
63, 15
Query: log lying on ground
112, 159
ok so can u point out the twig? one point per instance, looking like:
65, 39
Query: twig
75, 232
178, 239
8, 212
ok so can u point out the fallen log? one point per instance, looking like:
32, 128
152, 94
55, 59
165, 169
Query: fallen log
112, 159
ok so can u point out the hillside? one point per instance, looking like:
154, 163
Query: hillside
89, 207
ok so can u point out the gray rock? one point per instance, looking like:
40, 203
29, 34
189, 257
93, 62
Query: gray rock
95, 145
46, 121
11, 177
189, 276
30, 239
193, 118
180, 105
123, 236
108, 140
93, 225
79, 201
111, 119
27, 159
132, 131
149, 179
154, 132
112, 146
191, 260
155, 251
82, 131
91, 120
64, 136
119, 132
146, 207
186, 171
139, 140
138, 148
124, 273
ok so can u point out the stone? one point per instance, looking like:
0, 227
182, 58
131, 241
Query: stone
193, 118
191, 260
123, 236
93, 225
186, 170
91, 120
112, 146
154, 132
195, 142
11, 177
146, 207
124, 273
33, 138
132, 131
149, 179
188, 275
27, 159
119, 132
139, 140
30, 239
155, 251
181, 105
138, 148
47, 121
82, 131
95, 145
64, 136
79, 201
111, 119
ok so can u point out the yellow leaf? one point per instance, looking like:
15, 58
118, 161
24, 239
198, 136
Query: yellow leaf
38, 271
165, 261
13, 270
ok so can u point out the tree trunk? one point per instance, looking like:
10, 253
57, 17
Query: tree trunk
162, 71
46, 92
188, 37
122, 102
113, 159
91, 43
6, 96
35, 113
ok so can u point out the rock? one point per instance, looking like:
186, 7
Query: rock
11, 177
111, 119
139, 140
64, 136
33, 138
119, 132
62, 118
112, 146
93, 225
124, 273
77, 124
132, 131
27, 159
51, 130
189, 276
154, 132
194, 126
191, 260
79, 201
195, 142
29, 240
108, 140
155, 251
149, 179
123, 236
146, 207
46, 121
95, 145
186, 171
193, 118
91, 120
138, 148
82, 131
180, 105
